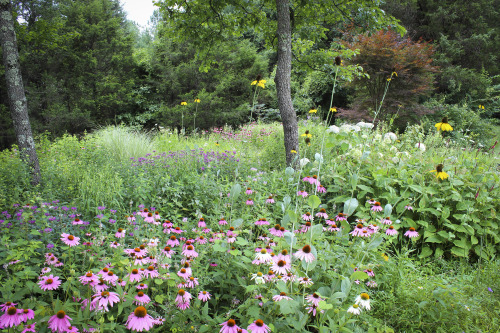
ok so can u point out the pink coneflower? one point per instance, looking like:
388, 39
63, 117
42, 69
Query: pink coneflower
105, 298
59, 322
249, 202
281, 296
142, 286
391, 231
110, 277
72, 329
306, 281
270, 200
302, 194
371, 201
134, 275
120, 233
139, 320
100, 286
377, 207
130, 218
26, 314
369, 271
386, 220
229, 327
357, 230
258, 326
262, 221
141, 298
201, 223
411, 233
321, 189
365, 233
157, 215
149, 218
333, 227
312, 309
10, 318
222, 222
201, 240
304, 227
248, 191
46, 270
341, 217
151, 272
204, 296
184, 273
29, 328
89, 278
192, 282
314, 299
305, 254
183, 296
173, 241
373, 228
77, 221
167, 251
307, 217
322, 213
408, 207
4, 307
114, 245
281, 267
190, 252
70, 240
50, 282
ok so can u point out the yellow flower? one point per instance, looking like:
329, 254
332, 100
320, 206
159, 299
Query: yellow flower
389, 79
313, 110
293, 151
481, 107
443, 125
307, 134
440, 174
184, 103
333, 110
197, 100
394, 73
217, 143
386, 258
259, 83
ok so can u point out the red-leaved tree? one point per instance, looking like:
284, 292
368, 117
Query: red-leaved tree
384, 54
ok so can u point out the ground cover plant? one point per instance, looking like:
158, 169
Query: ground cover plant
370, 231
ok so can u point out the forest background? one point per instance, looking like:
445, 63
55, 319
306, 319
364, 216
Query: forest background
85, 66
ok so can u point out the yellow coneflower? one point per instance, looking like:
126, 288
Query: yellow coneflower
197, 100
293, 151
313, 110
184, 103
307, 134
333, 110
217, 143
481, 107
259, 82
440, 174
443, 125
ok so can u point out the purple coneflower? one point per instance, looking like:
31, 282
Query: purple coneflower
141, 298
70, 240
322, 213
258, 326
321, 189
377, 207
50, 282
204, 296
59, 322
411, 233
302, 194
29, 328
229, 327
249, 202
270, 200
10, 318
391, 231
139, 320
305, 254
190, 252
105, 298
248, 191
26, 314
281, 296
120, 233
314, 299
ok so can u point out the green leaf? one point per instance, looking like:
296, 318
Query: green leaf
235, 252
219, 248
237, 223
350, 206
313, 201
235, 192
426, 251
324, 306
445, 213
158, 281
459, 252
159, 299
241, 241
290, 238
287, 306
388, 210
359, 275
317, 230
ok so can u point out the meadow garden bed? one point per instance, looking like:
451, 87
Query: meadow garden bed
370, 232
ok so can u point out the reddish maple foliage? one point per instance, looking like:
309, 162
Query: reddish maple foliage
382, 54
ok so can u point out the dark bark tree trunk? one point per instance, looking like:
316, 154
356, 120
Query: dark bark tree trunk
283, 78
15, 91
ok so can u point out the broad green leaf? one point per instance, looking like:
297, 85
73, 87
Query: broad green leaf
388, 210
426, 251
359, 275
313, 201
235, 192
350, 206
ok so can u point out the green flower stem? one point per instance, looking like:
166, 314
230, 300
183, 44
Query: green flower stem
253, 102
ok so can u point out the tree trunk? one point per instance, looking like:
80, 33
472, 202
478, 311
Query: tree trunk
283, 78
15, 91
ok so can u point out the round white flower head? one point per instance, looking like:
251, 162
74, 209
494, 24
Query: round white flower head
303, 162
420, 146
333, 129
390, 136
346, 128
364, 125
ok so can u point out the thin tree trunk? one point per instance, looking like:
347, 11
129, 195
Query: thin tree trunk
15, 91
283, 78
